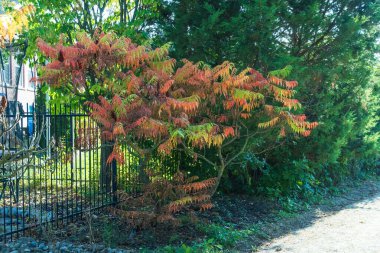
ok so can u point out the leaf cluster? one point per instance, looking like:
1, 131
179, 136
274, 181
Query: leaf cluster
163, 198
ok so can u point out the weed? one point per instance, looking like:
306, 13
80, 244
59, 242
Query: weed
109, 234
285, 214
225, 235
174, 238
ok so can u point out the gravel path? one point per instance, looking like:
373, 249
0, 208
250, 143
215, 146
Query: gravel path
352, 230
27, 244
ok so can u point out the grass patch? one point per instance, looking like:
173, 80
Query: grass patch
218, 238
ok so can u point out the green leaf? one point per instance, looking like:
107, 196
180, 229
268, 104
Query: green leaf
45, 89
96, 88
282, 73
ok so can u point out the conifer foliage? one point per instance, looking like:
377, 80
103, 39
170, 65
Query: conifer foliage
137, 94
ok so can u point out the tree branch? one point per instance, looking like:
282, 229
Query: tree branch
198, 155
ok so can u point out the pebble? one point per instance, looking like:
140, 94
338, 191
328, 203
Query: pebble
33, 244
27, 244
42, 246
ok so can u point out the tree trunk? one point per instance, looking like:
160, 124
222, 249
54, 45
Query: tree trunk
143, 163
105, 176
220, 170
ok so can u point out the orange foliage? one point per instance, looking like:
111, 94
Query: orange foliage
149, 98
162, 199
228, 131
144, 97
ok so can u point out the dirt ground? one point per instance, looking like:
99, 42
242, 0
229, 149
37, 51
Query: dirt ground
349, 223
354, 229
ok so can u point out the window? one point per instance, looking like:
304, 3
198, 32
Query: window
7, 74
31, 74
19, 71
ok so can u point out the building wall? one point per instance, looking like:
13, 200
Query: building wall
26, 88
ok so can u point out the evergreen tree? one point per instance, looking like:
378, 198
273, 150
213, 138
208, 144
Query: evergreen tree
331, 46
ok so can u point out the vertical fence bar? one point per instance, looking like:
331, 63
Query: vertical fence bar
73, 162
90, 163
46, 169
114, 182
66, 158
59, 174
3, 185
66, 179
32, 160
10, 190
24, 165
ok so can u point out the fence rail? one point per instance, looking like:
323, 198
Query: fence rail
63, 175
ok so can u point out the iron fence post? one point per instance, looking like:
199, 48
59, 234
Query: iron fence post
114, 182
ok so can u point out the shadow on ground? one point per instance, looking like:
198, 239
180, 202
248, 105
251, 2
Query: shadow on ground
245, 212
249, 212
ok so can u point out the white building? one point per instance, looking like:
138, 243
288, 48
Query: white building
24, 92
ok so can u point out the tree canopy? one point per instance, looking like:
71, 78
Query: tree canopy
329, 47
193, 105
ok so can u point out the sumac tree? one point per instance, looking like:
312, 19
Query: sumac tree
163, 198
138, 94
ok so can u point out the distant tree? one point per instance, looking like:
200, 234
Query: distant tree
12, 23
125, 17
331, 46
129, 18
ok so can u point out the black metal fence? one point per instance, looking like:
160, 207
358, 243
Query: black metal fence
53, 169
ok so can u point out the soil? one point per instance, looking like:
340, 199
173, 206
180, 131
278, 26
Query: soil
340, 218
348, 223
354, 229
